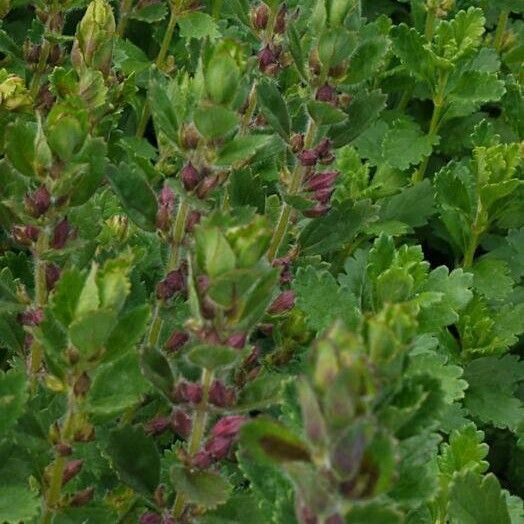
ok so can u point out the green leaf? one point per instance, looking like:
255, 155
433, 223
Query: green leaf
19, 146
162, 109
18, 504
265, 390
156, 369
364, 109
322, 300
336, 45
195, 24
373, 513
405, 144
116, 386
273, 107
325, 114
215, 121
491, 393
150, 13
271, 442
241, 149
337, 228
465, 451
477, 500
367, 59
135, 458
135, 194
204, 488
212, 357
492, 279
412, 206
13, 397
89, 333
214, 254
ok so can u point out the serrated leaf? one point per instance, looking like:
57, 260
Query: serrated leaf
195, 24
212, 357
273, 107
116, 386
135, 458
265, 390
215, 121
477, 500
241, 149
18, 503
322, 300
13, 396
204, 488
135, 194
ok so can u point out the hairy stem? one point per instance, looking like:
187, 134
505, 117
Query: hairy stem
294, 186
431, 19
52, 497
438, 104
197, 434
40, 299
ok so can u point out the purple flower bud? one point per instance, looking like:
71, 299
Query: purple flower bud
190, 177
82, 497
315, 212
61, 234
323, 148
237, 340
308, 157
284, 263
297, 142
228, 426
168, 519
167, 197
52, 274
25, 234
82, 385
181, 423
188, 392
157, 426
220, 395
38, 203
218, 447
193, 219
64, 450
71, 470
253, 357
202, 283
149, 518
163, 218
201, 460
326, 93
327, 159
280, 22
266, 57
189, 137
206, 186
31, 317
176, 341
260, 17
323, 196
284, 302
174, 282
322, 180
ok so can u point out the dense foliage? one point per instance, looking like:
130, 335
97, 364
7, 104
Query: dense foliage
261, 262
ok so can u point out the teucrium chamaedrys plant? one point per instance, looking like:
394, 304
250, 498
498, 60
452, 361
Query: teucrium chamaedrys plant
261, 261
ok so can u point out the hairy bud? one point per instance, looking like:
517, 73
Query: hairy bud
71, 470
157, 426
38, 202
220, 395
82, 497
260, 17
176, 341
61, 234
93, 45
14, 95
190, 177
284, 302
180, 423
188, 392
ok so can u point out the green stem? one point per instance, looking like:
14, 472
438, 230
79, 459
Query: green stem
217, 8
178, 235
294, 186
40, 68
160, 59
431, 18
55, 485
469, 255
251, 106
41, 247
125, 11
438, 104
197, 434
501, 29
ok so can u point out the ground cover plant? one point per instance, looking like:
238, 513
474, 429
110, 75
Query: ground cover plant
261, 262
